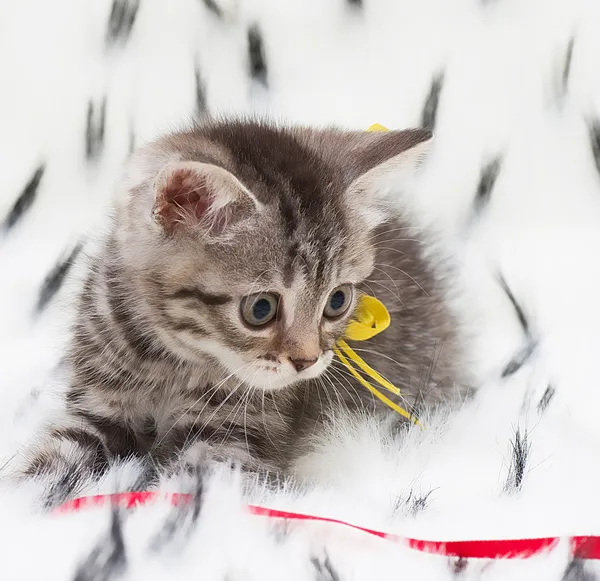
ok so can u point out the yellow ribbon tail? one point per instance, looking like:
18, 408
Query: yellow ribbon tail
374, 390
366, 367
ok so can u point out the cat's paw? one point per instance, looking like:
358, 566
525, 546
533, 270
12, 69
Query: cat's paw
203, 456
199, 457
62, 463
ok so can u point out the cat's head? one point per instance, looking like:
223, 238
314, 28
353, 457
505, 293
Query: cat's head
250, 239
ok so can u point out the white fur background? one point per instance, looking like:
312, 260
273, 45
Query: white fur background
506, 94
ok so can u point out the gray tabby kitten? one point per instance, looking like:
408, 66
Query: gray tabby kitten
235, 259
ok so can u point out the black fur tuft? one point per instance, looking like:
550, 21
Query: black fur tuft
430, 109
524, 353
356, 4
566, 72
107, 561
181, 523
595, 142
65, 481
281, 530
94, 132
458, 566
148, 477
25, 200
519, 359
520, 454
518, 309
214, 8
201, 106
413, 504
324, 570
577, 571
487, 181
132, 141
546, 399
122, 18
55, 279
256, 56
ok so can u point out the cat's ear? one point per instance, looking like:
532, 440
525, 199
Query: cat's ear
193, 196
387, 161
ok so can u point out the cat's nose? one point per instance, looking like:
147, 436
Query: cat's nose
302, 364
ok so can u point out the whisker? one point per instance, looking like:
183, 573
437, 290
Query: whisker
385, 356
389, 230
277, 409
339, 399
205, 424
406, 274
429, 371
326, 394
247, 400
366, 283
331, 416
343, 370
212, 391
322, 409
263, 414
233, 411
238, 408
330, 379
343, 375
387, 379
398, 240
386, 288
378, 248
386, 274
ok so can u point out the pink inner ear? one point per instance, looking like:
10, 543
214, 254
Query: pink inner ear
187, 190
184, 196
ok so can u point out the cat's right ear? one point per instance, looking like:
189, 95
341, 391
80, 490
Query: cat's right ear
377, 164
386, 162
200, 197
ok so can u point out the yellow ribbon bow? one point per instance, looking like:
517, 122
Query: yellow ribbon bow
371, 318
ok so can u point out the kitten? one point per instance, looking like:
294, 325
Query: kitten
235, 259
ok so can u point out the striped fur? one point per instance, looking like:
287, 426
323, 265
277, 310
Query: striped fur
160, 363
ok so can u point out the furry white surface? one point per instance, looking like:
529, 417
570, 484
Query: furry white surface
512, 187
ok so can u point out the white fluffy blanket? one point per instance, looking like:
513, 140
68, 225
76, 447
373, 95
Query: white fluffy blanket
512, 89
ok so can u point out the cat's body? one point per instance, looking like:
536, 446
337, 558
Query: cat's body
207, 320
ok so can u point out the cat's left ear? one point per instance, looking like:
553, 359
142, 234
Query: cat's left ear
200, 197
387, 160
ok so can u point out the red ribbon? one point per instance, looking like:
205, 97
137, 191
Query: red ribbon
582, 547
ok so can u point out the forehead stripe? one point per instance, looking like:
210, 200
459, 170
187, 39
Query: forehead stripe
201, 296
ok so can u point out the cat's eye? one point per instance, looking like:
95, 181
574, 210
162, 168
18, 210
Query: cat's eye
259, 309
339, 301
